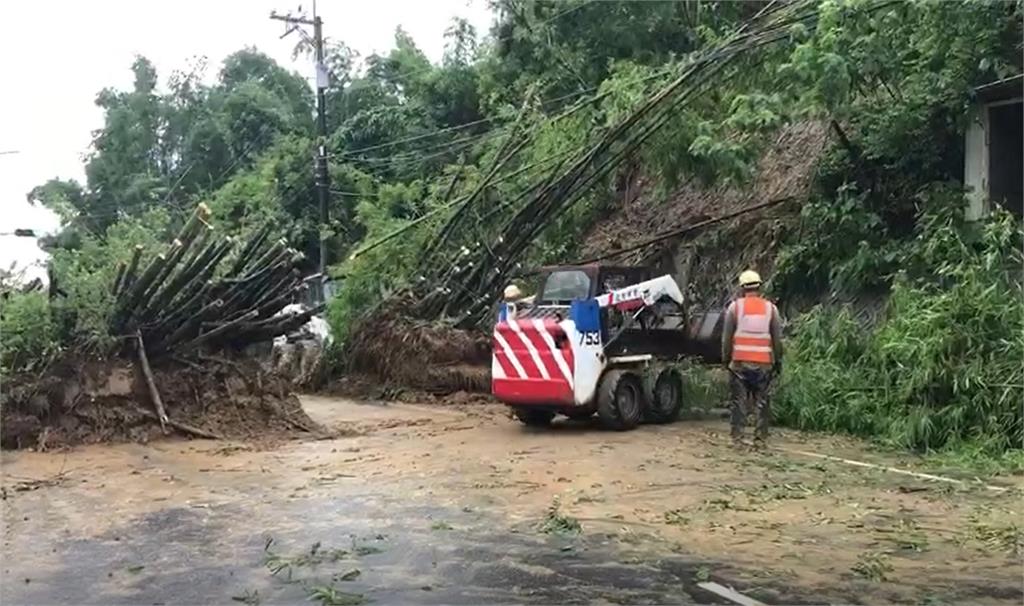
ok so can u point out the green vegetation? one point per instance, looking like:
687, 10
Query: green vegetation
29, 336
942, 367
411, 142
556, 522
329, 595
873, 566
703, 388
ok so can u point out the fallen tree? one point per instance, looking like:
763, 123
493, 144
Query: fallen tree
184, 301
179, 316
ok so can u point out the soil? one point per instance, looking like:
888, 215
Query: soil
448, 504
85, 402
721, 251
396, 349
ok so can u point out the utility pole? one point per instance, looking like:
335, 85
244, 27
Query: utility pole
322, 177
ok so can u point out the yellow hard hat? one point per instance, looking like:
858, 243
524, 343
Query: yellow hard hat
750, 278
512, 292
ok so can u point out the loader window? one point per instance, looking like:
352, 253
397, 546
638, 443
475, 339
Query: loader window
566, 286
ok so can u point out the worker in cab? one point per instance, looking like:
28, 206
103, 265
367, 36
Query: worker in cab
752, 352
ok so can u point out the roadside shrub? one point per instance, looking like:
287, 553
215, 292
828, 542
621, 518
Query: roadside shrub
943, 367
84, 275
27, 333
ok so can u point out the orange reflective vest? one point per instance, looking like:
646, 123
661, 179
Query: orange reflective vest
752, 341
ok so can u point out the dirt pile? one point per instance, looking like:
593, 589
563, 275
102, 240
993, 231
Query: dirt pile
432, 356
78, 402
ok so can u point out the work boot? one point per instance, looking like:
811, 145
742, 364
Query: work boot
760, 443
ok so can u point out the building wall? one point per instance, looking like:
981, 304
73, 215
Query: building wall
976, 164
992, 158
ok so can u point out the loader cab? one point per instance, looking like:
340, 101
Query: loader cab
561, 285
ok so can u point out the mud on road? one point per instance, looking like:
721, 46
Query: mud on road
459, 504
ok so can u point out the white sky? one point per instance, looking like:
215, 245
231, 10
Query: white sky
57, 54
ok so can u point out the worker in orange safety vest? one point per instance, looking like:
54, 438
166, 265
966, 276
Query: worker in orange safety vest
752, 351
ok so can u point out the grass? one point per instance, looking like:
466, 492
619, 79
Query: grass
329, 595
440, 525
1005, 537
702, 574
873, 566
960, 395
975, 459
676, 517
555, 522
277, 563
703, 389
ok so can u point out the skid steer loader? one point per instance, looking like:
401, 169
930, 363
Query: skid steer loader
598, 339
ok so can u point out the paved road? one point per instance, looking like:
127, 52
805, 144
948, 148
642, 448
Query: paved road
427, 505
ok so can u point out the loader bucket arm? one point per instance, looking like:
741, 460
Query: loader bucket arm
643, 294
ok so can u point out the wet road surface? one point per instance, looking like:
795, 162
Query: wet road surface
433, 505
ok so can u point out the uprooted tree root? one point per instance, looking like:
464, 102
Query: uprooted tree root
88, 402
433, 356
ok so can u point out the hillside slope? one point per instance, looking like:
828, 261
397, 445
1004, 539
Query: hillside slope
719, 252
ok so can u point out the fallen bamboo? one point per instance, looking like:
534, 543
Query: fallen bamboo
129, 274
130, 301
220, 331
202, 433
273, 327
121, 268
196, 290
187, 271
173, 256
250, 247
191, 325
476, 269
154, 393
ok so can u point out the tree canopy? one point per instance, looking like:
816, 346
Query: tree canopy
408, 138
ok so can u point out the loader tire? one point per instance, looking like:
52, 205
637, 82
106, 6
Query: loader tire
533, 417
666, 398
620, 400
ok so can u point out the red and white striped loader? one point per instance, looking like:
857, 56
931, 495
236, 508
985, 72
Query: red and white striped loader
598, 339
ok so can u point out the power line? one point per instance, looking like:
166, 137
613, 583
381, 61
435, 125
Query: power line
444, 148
657, 74
322, 174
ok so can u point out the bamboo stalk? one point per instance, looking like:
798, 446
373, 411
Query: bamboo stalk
129, 274
131, 300
154, 393
218, 332
122, 267
185, 427
245, 255
190, 325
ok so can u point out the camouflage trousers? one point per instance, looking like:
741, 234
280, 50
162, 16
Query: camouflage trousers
751, 395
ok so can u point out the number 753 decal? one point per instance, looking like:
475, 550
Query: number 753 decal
590, 338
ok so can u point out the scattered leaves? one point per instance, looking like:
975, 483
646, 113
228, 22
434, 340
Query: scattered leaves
555, 522
872, 566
